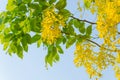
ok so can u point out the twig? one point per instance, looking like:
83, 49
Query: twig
100, 45
83, 20
118, 32
92, 42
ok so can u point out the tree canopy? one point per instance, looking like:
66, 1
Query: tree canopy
49, 23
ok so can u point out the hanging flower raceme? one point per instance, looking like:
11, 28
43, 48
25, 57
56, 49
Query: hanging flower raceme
108, 18
117, 72
94, 62
51, 24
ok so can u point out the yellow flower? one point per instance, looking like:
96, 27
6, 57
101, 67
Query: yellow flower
51, 24
118, 58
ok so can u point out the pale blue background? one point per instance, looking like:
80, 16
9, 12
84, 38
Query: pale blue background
32, 67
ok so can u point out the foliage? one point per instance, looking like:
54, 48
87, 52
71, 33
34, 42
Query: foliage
53, 25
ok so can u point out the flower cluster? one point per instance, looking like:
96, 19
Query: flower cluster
94, 62
51, 24
108, 18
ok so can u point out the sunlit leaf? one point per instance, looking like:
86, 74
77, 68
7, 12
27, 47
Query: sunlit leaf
22, 7
19, 1
82, 27
28, 37
20, 51
52, 1
89, 30
76, 23
35, 38
11, 5
60, 4
5, 45
0, 21
27, 1
57, 58
24, 44
70, 42
65, 13
59, 49
39, 42
87, 3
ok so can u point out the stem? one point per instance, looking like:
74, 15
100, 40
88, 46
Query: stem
92, 42
118, 32
83, 20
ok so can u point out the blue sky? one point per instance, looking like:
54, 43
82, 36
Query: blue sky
32, 67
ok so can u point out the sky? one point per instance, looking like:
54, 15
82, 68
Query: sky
32, 66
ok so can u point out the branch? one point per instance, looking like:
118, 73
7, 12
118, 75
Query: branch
92, 42
81, 37
118, 32
86, 21
83, 20
100, 45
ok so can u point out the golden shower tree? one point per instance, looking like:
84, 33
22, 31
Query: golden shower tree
49, 23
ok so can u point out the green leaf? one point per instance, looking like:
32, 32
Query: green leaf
26, 26
15, 28
39, 42
11, 5
70, 42
33, 22
12, 48
5, 46
46, 58
0, 21
34, 6
79, 38
40, 0
65, 13
44, 4
52, 49
60, 4
77, 23
23, 7
2, 27
82, 27
35, 38
36, 0
8, 37
64, 40
20, 51
59, 41
51, 56
59, 49
52, 1
7, 18
1, 38
24, 44
87, 4
49, 59
28, 38
18, 41
89, 30
57, 58
69, 30
71, 22
19, 1
6, 31
27, 1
